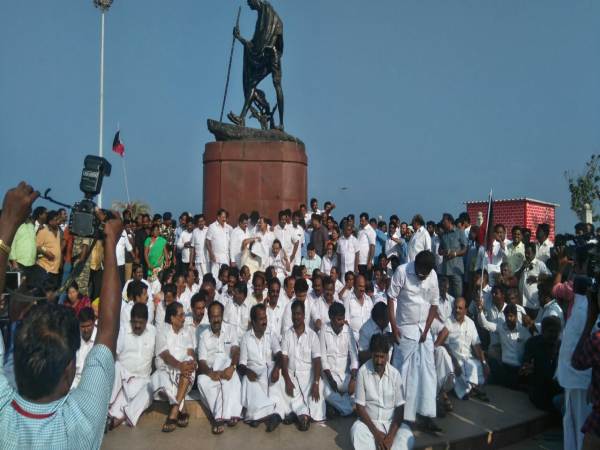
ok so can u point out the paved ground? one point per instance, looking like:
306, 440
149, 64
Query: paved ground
473, 423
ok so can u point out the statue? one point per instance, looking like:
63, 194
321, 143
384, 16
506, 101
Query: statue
262, 57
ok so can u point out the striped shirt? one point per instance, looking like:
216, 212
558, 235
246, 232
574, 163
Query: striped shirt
76, 421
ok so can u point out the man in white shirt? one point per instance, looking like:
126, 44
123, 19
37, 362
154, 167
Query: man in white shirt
217, 242
529, 275
314, 209
575, 382
358, 306
379, 323
219, 384
462, 342
348, 250
123, 245
366, 246
265, 238
543, 244
446, 305
301, 294
339, 359
549, 306
238, 236
301, 370
237, 312
199, 246
380, 403
420, 240
275, 307
132, 390
297, 235
513, 337
499, 252
137, 292
185, 245
260, 358
414, 294
284, 232
311, 261
87, 330
137, 273
515, 251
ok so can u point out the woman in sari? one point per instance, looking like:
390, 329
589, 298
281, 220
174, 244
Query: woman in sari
155, 251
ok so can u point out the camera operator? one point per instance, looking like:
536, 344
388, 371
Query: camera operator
566, 271
42, 413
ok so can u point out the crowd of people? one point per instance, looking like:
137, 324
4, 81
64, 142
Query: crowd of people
308, 318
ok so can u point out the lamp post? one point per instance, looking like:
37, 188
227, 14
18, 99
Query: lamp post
103, 5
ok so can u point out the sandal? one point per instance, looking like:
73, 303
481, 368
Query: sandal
303, 423
169, 426
183, 419
447, 404
218, 428
233, 422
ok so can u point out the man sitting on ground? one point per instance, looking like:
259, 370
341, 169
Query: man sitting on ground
87, 329
379, 323
380, 403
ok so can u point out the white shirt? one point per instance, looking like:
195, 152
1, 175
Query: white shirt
543, 250
530, 291
122, 245
461, 337
413, 299
347, 248
445, 307
552, 308
148, 286
265, 244
419, 241
177, 344
392, 248
366, 238
379, 395
278, 263
135, 352
257, 353
327, 263
81, 355
300, 350
235, 245
126, 312
338, 351
367, 331
199, 241
567, 376
319, 311
219, 237
275, 316
498, 256
286, 321
511, 341
185, 237
297, 235
357, 314
515, 256
210, 345
239, 315
288, 238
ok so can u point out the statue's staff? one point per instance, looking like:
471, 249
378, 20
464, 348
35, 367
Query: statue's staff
237, 25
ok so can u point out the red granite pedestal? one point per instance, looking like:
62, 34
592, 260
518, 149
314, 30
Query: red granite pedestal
242, 176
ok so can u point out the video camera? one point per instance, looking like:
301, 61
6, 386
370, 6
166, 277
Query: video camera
83, 220
584, 248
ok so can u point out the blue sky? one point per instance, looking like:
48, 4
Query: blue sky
415, 106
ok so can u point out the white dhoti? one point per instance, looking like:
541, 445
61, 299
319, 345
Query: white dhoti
577, 409
166, 381
472, 375
444, 369
416, 365
131, 395
341, 400
302, 403
216, 266
363, 439
223, 397
201, 268
261, 398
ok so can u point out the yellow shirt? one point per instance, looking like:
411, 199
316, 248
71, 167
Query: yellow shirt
51, 243
97, 256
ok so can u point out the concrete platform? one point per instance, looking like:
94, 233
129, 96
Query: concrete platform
508, 419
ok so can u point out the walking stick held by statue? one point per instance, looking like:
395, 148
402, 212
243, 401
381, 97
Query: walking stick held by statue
237, 25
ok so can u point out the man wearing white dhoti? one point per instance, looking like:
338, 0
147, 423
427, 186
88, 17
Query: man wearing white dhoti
414, 290
380, 403
219, 383
339, 358
444, 368
175, 365
132, 390
462, 342
260, 364
301, 370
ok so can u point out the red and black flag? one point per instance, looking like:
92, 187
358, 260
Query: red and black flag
486, 232
118, 146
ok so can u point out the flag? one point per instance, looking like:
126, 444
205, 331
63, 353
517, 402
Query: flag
118, 146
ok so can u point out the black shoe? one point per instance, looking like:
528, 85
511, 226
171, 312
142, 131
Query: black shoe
254, 423
429, 426
288, 420
273, 422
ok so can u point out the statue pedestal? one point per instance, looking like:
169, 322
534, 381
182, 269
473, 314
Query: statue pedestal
242, 176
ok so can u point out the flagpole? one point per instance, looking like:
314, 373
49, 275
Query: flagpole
125, 177
487, 230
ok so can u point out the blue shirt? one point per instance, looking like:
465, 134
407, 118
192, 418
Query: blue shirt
380, 239
76, 421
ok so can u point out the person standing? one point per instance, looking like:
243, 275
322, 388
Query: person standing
319, 235
185, 246
23, 251
420, 240
366, 246
217, 242
199, 246
238, 235
412, 306
543, 244
453, 246
348, 250
49, 252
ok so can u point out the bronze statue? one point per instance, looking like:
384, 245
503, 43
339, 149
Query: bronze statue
262, 56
